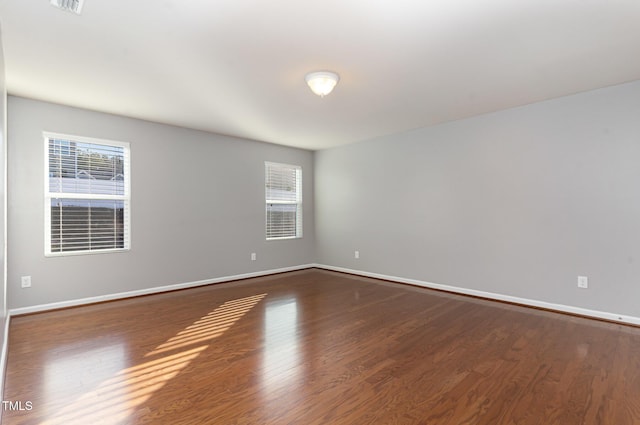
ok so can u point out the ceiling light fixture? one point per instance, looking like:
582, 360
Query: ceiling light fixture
322, 82
74, 6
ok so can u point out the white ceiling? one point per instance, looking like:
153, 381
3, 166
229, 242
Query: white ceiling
237, 67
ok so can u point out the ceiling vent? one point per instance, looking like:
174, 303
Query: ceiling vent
74, 6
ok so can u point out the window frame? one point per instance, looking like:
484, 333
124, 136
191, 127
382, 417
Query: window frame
297, 202
49, 196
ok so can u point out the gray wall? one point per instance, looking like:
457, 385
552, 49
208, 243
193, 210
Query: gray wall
197, 208
518, 202
3, 171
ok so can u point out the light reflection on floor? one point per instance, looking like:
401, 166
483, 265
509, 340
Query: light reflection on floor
119, 396
72, 368
282, 348
116, 398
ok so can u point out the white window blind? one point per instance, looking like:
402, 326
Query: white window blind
283, 193
86, 195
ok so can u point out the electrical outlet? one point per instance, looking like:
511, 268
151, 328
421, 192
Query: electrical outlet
356, 254
583, 282
253, 256
25, 281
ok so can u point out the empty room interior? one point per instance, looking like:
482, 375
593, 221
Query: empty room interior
296, 212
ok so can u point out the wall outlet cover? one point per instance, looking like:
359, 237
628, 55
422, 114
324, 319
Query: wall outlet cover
583, 282
25, 281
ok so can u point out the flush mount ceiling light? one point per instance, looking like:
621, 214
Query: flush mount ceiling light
74, 6
322, 82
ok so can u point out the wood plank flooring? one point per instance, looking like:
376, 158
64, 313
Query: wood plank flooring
318, 347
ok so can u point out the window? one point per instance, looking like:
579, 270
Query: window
86, 195
283, 193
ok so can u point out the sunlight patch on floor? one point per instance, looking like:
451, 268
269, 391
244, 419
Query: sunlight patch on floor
118, 397
212, 325
114, 400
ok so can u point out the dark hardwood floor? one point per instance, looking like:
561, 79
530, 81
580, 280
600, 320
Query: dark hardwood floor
317, 347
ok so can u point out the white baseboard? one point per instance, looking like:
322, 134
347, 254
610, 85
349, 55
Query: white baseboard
494, 296
149, 291
455, 289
